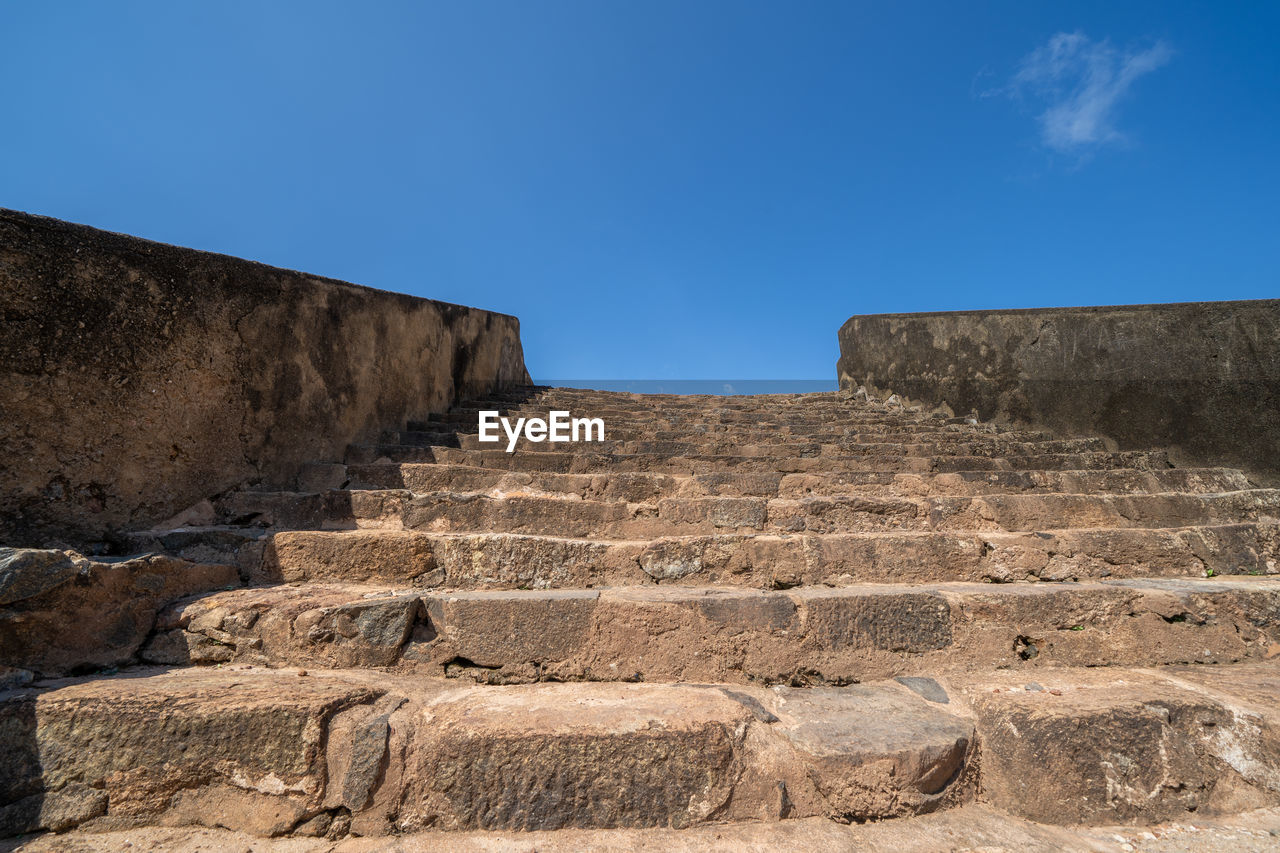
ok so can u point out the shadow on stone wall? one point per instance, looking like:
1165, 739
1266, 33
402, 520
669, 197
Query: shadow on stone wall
137, 378
1201, 379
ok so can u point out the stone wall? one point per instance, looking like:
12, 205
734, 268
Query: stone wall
1200, 378
137, 378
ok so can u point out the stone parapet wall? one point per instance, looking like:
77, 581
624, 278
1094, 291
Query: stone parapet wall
137, 378
1200, 378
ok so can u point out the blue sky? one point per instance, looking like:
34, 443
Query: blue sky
671, 189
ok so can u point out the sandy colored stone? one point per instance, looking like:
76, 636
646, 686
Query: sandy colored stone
243, 750
1093, 746
572, 755
1106, 370
748, 623
972, 828
78, 614
879, 751
490, 629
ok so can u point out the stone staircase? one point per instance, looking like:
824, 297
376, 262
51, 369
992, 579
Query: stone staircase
751, 613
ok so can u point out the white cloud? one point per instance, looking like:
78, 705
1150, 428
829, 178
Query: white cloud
1081, 81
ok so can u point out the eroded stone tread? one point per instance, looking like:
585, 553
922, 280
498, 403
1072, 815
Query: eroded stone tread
673, 633
501, 560
972, 827
275, 751
778, 609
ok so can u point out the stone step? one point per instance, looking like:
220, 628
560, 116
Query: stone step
641, 487
753, 434
776, 609
561, 515
507, 561
1092, 746
453, 422
715, 446
271, 752
62, 612
685, 442
446, 512
307, 752
807, 635
973, 827
581, 461
687, 417
423, 438
793, 423
690, 418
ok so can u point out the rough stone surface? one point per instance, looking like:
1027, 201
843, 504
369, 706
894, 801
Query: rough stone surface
1094, 747
850, 624
62, 613
1202, 377
28, 572
283, 751
173, 375
668, 633
581, 755
246, 753
878, 751
336, 628
971, 829
490, 629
